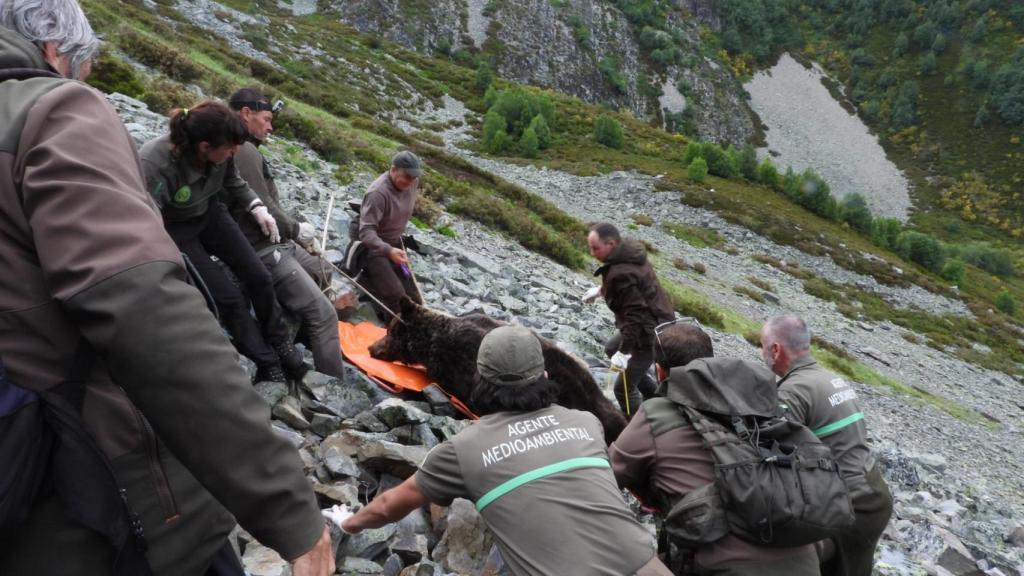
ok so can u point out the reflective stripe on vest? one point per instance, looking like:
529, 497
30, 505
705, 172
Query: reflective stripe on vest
838, 424
527, 477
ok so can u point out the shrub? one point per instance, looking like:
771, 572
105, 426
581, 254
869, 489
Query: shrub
540, 127
528, 144
928, 64
484, 77
954, 271
816, 196
1006, 303
698, 170
746, 160
608, 131
885, 231
611, 70
159, 55
719, 162
767, 174
922, 249
855, 212
494, 124
989, 259
693, 150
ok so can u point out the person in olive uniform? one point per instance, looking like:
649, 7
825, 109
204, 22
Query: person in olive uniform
828, 405
188, 172
537, 472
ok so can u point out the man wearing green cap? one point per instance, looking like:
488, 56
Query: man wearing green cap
387, 207
537, 472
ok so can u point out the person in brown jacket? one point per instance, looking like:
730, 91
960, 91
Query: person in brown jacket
191, 175
85, 258
385, 212
298, 272
664, 463
632, 291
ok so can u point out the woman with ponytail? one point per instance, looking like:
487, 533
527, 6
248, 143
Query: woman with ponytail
192, 176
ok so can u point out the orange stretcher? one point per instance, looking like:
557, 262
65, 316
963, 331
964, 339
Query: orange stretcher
394, 377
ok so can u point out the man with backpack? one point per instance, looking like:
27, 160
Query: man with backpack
94, 294
828, 405
662, 456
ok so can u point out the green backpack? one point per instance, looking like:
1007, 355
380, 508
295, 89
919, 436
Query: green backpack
776, 484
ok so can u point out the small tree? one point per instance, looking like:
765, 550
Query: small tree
698, 170
495, 135
885, 232
608, 131
746, 158
767, 174
922, 249
484, 77
719, 162
928, 64
954, 271
540, 127
694, 150
855, 212
1006, 303
528, 144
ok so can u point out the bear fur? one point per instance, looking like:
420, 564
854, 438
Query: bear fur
447, 347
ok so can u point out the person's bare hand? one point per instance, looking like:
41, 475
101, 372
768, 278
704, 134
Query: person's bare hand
398, 257
319, 561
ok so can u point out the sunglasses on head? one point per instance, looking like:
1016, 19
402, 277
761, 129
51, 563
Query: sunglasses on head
276, 107
666, 325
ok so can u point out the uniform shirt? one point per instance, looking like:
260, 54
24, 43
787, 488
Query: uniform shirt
183, 192
828, 405
571, 519
385, 214
255, 170
674, 463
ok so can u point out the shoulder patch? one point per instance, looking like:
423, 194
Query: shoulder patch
183, 194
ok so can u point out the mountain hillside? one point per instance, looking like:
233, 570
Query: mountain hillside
514, 173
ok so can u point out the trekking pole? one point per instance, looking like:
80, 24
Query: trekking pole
327, 223
411, 273
625, 387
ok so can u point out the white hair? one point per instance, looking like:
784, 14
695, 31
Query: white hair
790, 332
59, 21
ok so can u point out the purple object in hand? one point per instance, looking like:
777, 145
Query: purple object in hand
405, 270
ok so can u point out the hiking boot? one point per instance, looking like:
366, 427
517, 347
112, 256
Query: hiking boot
269, 373
291, 361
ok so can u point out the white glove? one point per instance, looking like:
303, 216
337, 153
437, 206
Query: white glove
337, 514
267, 223
306, 233
592, 295
620, 360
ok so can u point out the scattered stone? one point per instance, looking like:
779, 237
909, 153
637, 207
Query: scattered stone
259, 560
288, 434
771, 298
272, 392
369, 543
355, 566
466, 542
339, 464
394, 412
289, 411
955, 558
392, 566
1016, 537
324, 424
934, 462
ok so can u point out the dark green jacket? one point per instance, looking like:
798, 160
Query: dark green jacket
183, 192
83, 254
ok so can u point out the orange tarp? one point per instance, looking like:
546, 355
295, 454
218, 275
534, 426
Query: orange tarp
355, 343
395, 377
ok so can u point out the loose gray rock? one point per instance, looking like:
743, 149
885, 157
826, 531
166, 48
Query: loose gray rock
394, 412
259, 560
466, 542
339, 464
272, 392
289, 411
353, 566
368, 543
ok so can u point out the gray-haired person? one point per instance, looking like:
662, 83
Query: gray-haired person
828, 405
86, 264
537, 472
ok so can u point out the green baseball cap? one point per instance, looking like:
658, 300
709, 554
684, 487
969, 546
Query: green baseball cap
510, 356
407, 162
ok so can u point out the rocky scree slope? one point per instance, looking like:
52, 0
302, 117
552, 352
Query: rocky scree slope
958, 486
